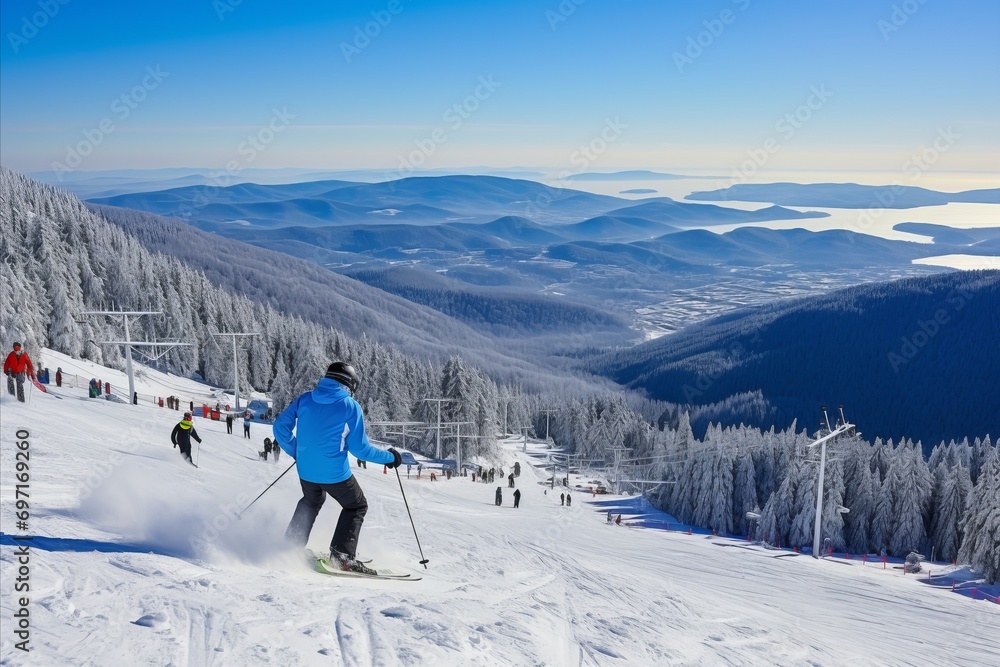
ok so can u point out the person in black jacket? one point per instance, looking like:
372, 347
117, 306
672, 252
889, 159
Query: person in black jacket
517, 498
229, 423
499, 497
182, 434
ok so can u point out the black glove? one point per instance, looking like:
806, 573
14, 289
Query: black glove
397, 460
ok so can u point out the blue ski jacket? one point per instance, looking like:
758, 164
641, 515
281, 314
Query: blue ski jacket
328, 423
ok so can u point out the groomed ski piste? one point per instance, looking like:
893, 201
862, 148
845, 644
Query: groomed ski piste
137, 558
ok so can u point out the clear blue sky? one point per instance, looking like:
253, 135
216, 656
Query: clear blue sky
561, 79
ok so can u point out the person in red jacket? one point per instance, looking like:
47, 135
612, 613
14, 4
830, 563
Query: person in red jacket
15, 367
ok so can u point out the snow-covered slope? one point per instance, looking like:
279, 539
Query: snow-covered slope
138, 559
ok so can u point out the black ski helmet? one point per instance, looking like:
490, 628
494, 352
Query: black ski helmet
344, 374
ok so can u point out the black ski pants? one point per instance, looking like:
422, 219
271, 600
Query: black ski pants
353, 505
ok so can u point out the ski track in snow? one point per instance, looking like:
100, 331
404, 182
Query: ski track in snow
540, 585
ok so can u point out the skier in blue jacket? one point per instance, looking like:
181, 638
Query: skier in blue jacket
328, 424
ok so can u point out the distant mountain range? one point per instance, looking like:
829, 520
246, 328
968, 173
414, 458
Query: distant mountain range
905, 357
845, 195
416, 201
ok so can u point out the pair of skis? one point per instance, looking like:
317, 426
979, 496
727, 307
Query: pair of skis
324, 566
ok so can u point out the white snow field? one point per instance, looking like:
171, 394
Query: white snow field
137, 559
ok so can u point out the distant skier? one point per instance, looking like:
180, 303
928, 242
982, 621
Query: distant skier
517, 469
610, 520
517, 498
618, 521
246, 425
229, 423
275, 450
562, 498
16, 366
510, 481
267, 448
182, 434
498, 500
327, 424
59, 377
569, 500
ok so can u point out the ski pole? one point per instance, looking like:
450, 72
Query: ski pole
197, 453
243, 511
399, 479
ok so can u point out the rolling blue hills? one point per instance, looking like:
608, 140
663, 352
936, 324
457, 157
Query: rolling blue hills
668, 211
420, 200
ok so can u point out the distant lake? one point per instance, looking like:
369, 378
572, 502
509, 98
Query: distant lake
877, 223
964, 262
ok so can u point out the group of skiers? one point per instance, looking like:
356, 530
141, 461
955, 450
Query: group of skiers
499, 497
487, 476
270, 448
95, 388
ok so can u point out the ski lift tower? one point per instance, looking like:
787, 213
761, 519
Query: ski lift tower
128, 342
506, 402
459, 436
842, 428
547, 411
618, 451
439, 401
236, 367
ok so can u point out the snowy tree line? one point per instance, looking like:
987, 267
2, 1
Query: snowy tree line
899, 502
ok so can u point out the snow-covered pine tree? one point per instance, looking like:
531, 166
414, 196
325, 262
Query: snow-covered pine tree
800, 533
906, 489
776, 517
744, 492
860, 489
981, 544
952, 503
